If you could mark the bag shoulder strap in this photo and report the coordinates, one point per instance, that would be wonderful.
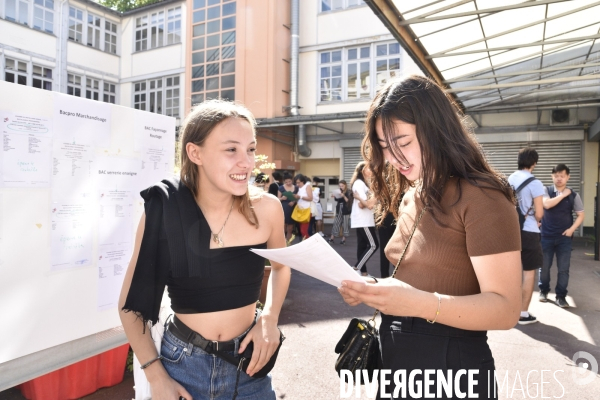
(401, 257)
(525, 183)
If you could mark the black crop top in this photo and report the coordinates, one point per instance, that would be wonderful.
(175, 252)
(236, 278)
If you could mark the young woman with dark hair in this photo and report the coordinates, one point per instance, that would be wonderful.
(362, 218)
(194, 238)
(461, 273)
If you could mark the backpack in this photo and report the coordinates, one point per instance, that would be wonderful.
(519, 211)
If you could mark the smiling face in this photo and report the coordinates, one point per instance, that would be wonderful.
(299, 183)
(226, 159)
(403, 150)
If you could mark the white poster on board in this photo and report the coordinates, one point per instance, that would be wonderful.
(112, 264)
(155, 139)
(116, 179)
(73, 170)
(154, 131)
(26, 150)
(78, 121)
(71, 234)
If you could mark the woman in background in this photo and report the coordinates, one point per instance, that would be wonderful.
(288, 205)
(305, 197)
(342, 213)
(362, 218)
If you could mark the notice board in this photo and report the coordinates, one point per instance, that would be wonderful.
(71, 170)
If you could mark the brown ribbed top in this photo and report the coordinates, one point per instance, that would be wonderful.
(482, 222)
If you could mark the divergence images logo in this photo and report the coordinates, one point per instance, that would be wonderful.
(588, 368)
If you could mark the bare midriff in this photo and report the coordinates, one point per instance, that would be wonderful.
(220, 325)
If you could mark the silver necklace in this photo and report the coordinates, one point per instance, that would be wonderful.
(218, 237)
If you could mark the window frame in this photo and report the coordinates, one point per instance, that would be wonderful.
(373, 84)
(73, 21)
(345, 5)
(46, 19)
(74, 85)
(158, 89)
(18, 4)
(171, 22)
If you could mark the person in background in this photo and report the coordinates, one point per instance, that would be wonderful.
(288, 205)
(460, 275)
(274, 186)
(261, 180)
(342, 213)
(362, 218)
(305, 197)
(557, 233)
(318, 218)
(529, 201)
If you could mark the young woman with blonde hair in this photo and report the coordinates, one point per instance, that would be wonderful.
(194, 238)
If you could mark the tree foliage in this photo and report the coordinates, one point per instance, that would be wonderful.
(126, 5)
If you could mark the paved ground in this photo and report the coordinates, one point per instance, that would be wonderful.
(314, 317)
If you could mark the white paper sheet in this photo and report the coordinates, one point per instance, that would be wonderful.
(112, 264)
(82, 121)
(314, 257)
(73, 170)
(71, 235)
(116, 179)
(26, 151)
(153, 131)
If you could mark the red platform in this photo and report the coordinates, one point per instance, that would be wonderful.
(79, 379)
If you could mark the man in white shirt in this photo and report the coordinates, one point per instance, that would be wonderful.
(530, 203)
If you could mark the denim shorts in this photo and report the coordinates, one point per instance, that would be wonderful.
(206, 376)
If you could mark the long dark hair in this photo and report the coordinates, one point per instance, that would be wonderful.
(358, 174)
(447, 148)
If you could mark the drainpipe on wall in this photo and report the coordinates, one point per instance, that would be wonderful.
(301, 143)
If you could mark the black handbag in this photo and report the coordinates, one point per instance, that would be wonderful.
(358, 347)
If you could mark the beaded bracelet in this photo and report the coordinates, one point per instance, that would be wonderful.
(150, 362)
(439, 296)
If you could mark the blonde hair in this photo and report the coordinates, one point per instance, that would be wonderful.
(196, 128)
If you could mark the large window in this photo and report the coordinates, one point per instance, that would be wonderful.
(355, 73)
(17, 11)
(213, 50)
(75, 24)
(328, 5)
(43, 15)
(159, 95)
(26, 73)
(93, 30)
(150, 29)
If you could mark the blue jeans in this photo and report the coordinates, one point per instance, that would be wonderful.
(209, 377)
(562, 248)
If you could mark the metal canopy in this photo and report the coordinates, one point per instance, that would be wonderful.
(503, 54)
